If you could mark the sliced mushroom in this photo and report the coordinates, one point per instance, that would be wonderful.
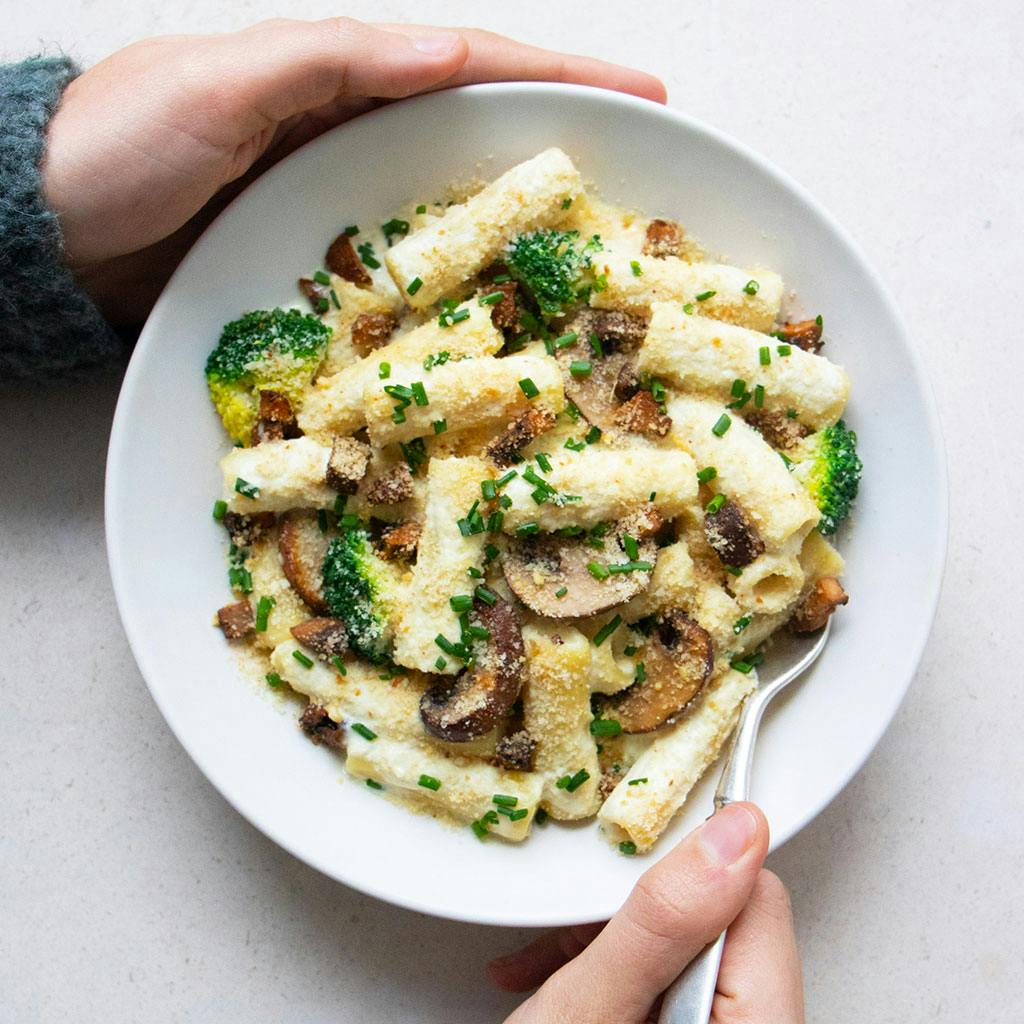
(505, 312)
(391, 488)
(595, 393)
(483, 693)
(551, 575)
(778, 429)
(319, 295)
(244, 530)
(236, 620)
(321, 728)
(678, 660)
(505, 448)
(514, 752)
(642, 415)
(805, 334)
(628, 383)
(825, 597)
(341, 259)
(731, 534)
(664, 238)
(275, 420)
(371, 331)
(347, 464)
(302, 545)
(327, 638)
(400, 541)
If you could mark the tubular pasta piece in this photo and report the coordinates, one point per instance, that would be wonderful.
(288, 474)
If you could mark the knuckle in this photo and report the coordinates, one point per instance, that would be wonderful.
(653, 911)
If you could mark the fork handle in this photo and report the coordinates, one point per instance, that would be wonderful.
(689, 998)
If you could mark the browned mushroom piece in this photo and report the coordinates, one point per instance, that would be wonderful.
(302, 545)
(825, 597)
(505, 312)
(327, 638)
(678, 659)
(341, 259)
(805, 334)
(244, 530)
(595, 394)
(628, 382)
(392, 487)
(664, 238)
(505, 448)
(550, 574)
(347, 464)
(321, 728)
(478, 698)
(319, 295)
(515, 752)
(275, 420)
(642, 415)
(372, 330)
(732, 535)
(778, 429)
(400, 541)
(236, 620)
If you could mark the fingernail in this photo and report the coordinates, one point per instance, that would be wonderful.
(437, 44)
(728, 834)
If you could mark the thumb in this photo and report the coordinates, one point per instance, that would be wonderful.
(676, 908)
(284, 67)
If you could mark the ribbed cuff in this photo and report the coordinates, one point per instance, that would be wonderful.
(48, 325)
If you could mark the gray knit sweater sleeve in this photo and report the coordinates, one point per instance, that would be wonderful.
(48, 325)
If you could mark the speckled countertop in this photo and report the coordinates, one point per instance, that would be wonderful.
(129, 890)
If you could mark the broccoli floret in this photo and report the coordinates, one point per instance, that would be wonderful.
(827, 464)
(551, 264)
(275, 350)
(359, 587)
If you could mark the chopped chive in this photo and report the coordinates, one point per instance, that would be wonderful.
(321, 278)
(263, 608)
(574, 446)
(593, 435)
(527, 529)
(638, 782)
(540, 816)
(741, 666)
(366, 254)
(491, 298)
(352, 229)
(565, 340)
(364, 730)
(529, 388)
(792, 414)
(627, 847)
(489, 489)
(517, 815)
(605, 727)
(475, 572)
(543, 461)
(784, 350)
(219, 508)
(394, 227)
(502, 279)
(506, 479)
(339, 664)
(384, 371)
(321, 519)
(485, 595)
(751, 287)
(429, 782)
(575, 781)
(641, 672)
(479, 633)
(629, 650)
(758, 396)
(688, 308)
(606, 630)
(504, 801)
(440, 663)
(440, 426)
(634, 566)
(634, 265)
(786, 461)
(491, 552)
(704, 296)
(302, 659)
(479, 829)
(274, 681)
(819, 321)
(422, 208)
(374, 784)
(461, 602)
(561, 592)
(245, 488)
(715, 504)
(764, 355)
(739, 387)
(580, 367)
(566, 202)
(349, 522)
(722, 425)
(335, 299)
(652, 495)
(322, 305)
(414, 285)
(419, 393)
(741, 624)
(733, 570)
(453, 650)
(632, 547)
(595, 345)
(706, 474)
(598, 571)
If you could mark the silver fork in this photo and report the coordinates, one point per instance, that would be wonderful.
(688, 1000)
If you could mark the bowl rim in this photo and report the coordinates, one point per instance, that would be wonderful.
(119, 561)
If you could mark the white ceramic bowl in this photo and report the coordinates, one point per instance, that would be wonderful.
(166, 554)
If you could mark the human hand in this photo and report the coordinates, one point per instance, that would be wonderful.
(617, 971)
(151, 143)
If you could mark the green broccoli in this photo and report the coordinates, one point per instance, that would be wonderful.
(275, 350)
(827, 464)
(358, 587)
(551, 264)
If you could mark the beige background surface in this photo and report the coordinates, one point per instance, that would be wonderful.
(129, 890)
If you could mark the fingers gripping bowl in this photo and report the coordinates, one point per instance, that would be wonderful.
(167, 441)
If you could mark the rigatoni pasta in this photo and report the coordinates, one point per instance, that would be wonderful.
(516, 507)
